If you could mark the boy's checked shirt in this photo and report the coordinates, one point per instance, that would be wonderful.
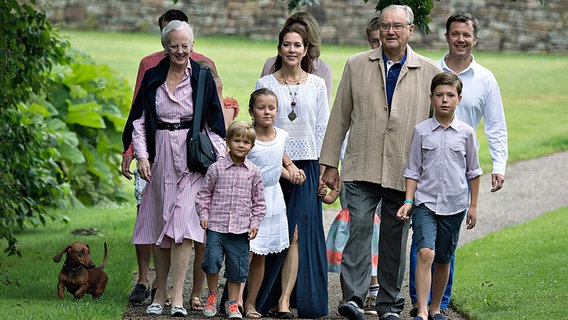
(231, 197)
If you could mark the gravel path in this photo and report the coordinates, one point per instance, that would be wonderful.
(531, 188)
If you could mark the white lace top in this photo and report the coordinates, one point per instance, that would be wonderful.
(312, 113)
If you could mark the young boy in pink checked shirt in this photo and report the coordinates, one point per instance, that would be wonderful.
(230, 206)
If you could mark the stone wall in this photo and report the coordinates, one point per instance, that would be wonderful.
(522, 25)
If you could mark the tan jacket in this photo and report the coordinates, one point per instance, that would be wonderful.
(378, 146)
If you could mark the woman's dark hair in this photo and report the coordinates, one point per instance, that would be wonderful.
(312, 30)
(307, 63)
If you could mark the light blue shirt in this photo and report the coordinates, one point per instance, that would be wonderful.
(442, 160)
(481, 98)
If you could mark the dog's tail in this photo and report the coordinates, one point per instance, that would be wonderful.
(103, 264)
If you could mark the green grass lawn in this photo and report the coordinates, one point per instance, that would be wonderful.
(520, 272)
(28, 289)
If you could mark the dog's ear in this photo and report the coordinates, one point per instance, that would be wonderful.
(57, 256)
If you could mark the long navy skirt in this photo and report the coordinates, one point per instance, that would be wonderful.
(304, 210)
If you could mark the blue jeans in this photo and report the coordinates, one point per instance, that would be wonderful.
(234, 248)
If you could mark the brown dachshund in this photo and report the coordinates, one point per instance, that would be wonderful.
(79, 274)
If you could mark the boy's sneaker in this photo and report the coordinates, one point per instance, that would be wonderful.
(233, 310)
(210, 309)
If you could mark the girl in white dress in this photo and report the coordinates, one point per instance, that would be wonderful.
(268, 155)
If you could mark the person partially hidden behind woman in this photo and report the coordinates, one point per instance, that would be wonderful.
(160, 119)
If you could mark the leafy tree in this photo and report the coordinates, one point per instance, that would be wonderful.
(61, 121)
(30, 180)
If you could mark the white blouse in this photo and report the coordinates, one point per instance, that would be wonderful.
(312, 113)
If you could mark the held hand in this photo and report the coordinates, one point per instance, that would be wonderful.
(330, 177)
(252, 233)
(404, 212)
(471, 218)
(125, 165)
(497, 181)
(144, 168)
(297, 176)
(203, 224)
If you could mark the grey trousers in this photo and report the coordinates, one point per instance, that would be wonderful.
(362, 199)
(393, 238)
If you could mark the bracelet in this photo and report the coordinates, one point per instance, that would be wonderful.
(409, 201)
(286, 165)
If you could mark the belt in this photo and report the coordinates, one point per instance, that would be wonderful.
(174, 126)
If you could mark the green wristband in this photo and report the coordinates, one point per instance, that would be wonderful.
(409, 201)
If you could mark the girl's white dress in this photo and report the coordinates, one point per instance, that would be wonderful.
(272, 234)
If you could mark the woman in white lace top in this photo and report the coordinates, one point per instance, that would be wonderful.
(303, 113)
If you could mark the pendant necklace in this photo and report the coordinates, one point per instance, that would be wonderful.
(293, 95)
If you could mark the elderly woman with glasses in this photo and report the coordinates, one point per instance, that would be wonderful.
(160, 121)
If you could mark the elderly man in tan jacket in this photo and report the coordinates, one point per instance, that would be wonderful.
(382, 95)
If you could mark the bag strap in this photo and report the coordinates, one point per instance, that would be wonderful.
(197, 108)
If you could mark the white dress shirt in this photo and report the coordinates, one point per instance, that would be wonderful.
(481, 98)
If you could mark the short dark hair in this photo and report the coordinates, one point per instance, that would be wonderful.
(462, 17)
(171, 15)
(446, 78)
(373, 24)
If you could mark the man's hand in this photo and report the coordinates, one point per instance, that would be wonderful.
(203, 224)
(144, 169)
(330, 176)
(126, 161)
(497, 181)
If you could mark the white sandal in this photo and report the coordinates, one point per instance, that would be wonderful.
(178, 311)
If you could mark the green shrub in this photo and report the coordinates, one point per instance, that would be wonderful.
(30, 180)
(61, 122)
